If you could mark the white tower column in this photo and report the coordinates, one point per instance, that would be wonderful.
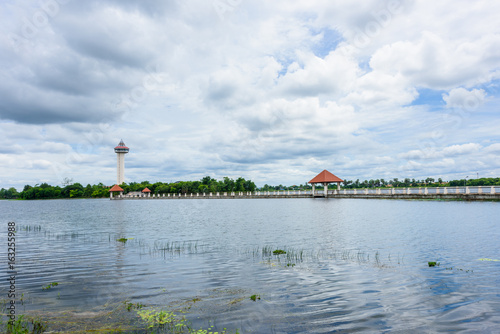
(120, 151)
(120, 168)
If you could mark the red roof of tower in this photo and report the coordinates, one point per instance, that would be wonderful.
(115, 188)
(121, 144)
(146, 190)
(326, 177)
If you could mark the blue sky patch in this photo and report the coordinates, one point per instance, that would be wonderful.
(429, 97)
(328, 43)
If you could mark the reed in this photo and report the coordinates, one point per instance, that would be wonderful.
(291, 256)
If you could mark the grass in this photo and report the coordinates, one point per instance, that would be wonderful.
(29, 228)
(290, 257)
(174, 247)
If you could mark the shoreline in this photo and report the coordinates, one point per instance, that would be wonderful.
(430, 197)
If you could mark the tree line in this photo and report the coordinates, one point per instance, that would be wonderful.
(209, 184)
(77, 190)
(428, 182)
(205, 185)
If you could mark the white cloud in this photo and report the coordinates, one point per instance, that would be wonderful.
(464, 99)
(495, 148)
(263, 87)
(454, 150)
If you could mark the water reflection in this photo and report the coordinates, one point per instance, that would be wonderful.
(351, 265)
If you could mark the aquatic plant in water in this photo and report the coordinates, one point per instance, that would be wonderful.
(24, 325)
(279, 252)
(50, 285)
(209, 331)
(131, 306)
(162, 319)
(255, 297)
(172, 323)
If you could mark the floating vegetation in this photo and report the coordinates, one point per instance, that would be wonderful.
(109, 318)
(278, 252)
(169, 322)
(486, 259)
(236, 301)
(124, 240)
(131, 306)
(433, 263)
(160, 319)
(255, 297)
(210, 331)
(50, 286)
(460, 269)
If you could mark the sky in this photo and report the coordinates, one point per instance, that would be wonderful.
(272, 91)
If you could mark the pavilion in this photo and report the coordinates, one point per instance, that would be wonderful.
(146, 192)
(115, 189)
(325, 177)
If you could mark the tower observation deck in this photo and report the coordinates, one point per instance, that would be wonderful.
(120, 151)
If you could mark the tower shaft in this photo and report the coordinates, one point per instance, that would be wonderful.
(120, 168)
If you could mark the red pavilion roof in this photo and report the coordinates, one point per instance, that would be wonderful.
(146, 190)
(326, 177)
(115, 188)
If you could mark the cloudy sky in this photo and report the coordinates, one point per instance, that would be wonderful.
(274, 91)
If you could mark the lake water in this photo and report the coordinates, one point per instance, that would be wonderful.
(352, 265)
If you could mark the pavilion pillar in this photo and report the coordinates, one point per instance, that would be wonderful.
(314, 189)
(338, 186)
(326, 189)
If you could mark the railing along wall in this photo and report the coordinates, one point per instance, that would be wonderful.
(467, 190)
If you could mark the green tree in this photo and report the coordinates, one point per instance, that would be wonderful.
(75, 193)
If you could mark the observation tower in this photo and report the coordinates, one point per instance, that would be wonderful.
(120, 150)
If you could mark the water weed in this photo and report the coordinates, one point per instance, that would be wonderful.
(255, 297)
(25, 325)
(292, 257)
(131, 306)
(50, 286)
(161, 319)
